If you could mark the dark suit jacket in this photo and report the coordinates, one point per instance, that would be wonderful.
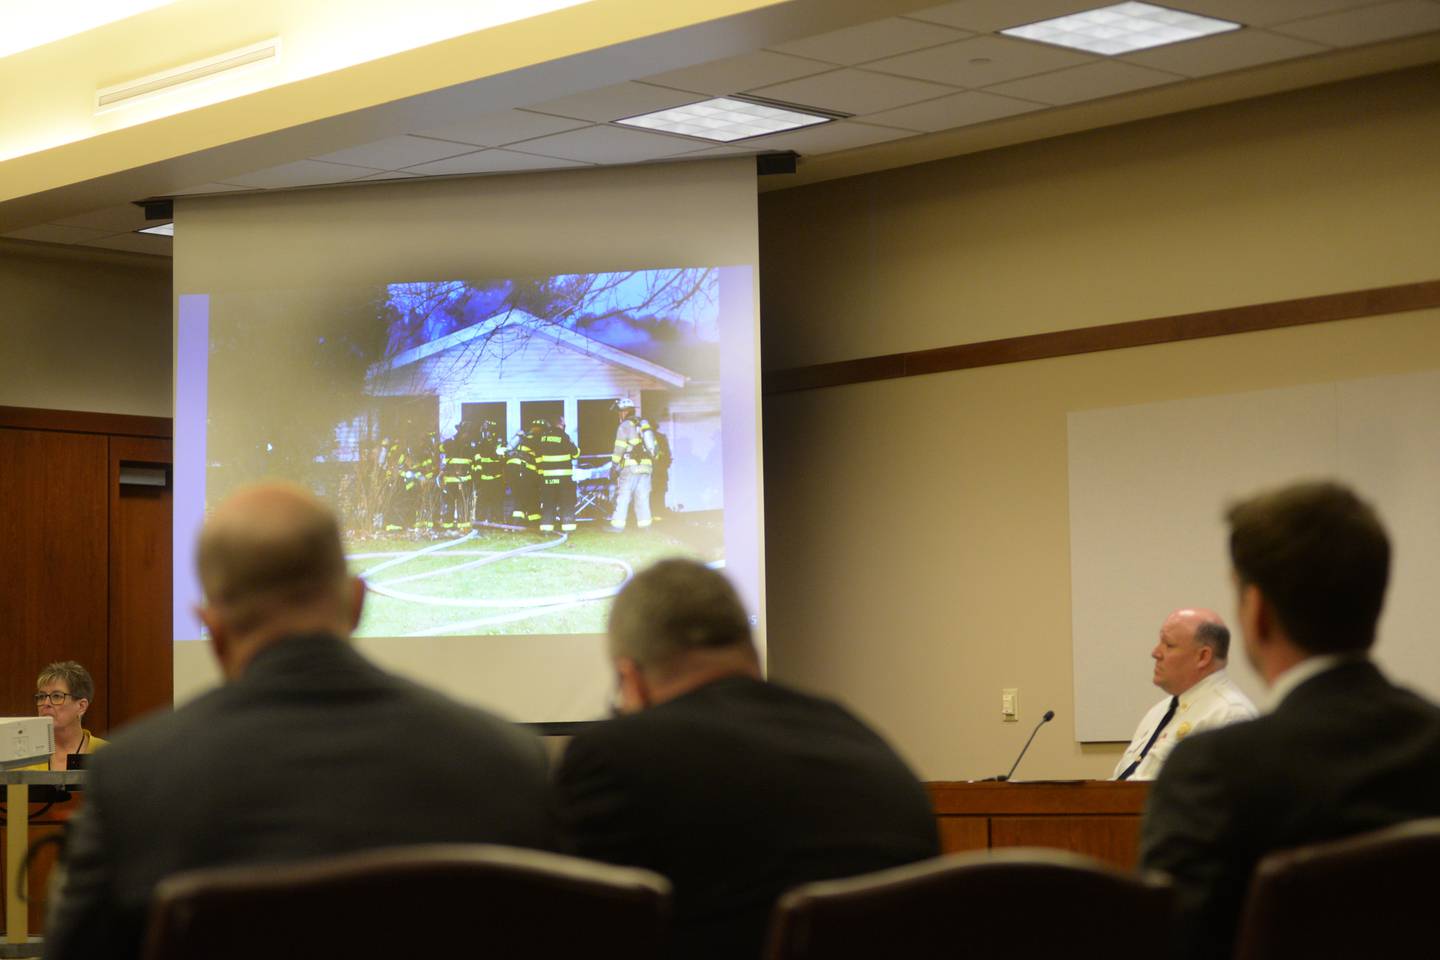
(738, 791)
(1344, 753)
(312, 752)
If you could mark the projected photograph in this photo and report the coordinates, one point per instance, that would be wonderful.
(503, 454)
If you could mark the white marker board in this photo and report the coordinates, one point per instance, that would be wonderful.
(1148, 485)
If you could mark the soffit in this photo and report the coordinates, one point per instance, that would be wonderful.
(920, 83)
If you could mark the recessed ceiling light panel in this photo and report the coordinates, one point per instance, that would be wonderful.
(724, 119)
(1121, 28)
(160, 230)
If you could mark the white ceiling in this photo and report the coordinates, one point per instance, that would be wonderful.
(933, 70)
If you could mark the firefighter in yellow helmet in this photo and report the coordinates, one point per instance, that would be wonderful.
(631, 464)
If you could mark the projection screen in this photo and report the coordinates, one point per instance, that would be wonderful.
(449, 364)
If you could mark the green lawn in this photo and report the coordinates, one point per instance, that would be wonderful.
(589, 560)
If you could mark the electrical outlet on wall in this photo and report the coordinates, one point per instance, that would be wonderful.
(1010, 704)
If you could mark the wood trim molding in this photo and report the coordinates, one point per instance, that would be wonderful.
(1374, 302)
(80, 421)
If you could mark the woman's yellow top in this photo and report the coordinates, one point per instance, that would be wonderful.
(89, 743)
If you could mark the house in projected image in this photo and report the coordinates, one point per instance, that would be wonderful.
(525, 369)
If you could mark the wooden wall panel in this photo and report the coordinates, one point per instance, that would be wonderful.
(1095, 817)
(1112, 839)
(963, 834)
(54, 588)
(141, 665)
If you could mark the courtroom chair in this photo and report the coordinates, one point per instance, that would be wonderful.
(448, 900)
(1345, 898)
(1015, 903)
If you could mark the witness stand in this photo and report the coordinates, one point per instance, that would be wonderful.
(1098, 818)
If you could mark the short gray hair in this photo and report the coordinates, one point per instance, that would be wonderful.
(76, 678)
(674, 607)
(1216, 636)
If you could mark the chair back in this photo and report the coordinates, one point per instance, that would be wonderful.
(1345, 898)
(412, 901)
(1018, 903)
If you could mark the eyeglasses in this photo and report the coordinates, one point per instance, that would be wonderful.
(55, 698)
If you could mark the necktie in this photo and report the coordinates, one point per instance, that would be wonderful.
(1174, 703)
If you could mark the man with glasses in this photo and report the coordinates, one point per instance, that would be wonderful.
(733, 788)
(307, 750)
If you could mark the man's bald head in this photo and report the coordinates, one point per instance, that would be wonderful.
(271, 554)
(1194, 643)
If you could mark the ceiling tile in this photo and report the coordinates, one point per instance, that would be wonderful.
(489, 161)
(756, 69)
(870, 41)
(1090, 82)
(610, 145)
(1263, 12)
(627, 99)
(207, 188)
(828, 138)
(302, 173)
(984, 16)
(1351, 28)
(56, 233)
(117, 219)
(396, 152)
(1235, 50)
(982, 61)
(960, 110)
(853, 91)
(137, 243)
(498, 129)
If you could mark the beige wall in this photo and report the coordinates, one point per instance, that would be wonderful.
(1328, 189)
(917, 529)
(84, 329)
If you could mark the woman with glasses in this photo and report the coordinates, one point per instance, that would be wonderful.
(63, 691)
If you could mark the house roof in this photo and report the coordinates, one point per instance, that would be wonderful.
(537, 328)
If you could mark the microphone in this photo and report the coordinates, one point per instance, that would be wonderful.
(1049, 715)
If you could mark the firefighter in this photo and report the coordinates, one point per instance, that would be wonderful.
(631, 464)
(392, 463)
(407, 489)
(487, 473)
(660, 477)
(427, 468)
(456, 491)
(521, 474)
(555, 455)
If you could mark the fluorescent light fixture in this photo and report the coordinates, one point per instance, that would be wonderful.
(264, 53)
(26, 24)
(161, 230)
(725, 119)
(1122, 28)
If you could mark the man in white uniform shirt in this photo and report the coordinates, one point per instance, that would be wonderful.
(1190, 664)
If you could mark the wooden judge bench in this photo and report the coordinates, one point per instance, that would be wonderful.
(1095, 817)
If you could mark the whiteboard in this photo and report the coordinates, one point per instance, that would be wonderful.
(1149, 484)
